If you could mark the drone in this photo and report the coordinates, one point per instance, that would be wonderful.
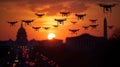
(55, 26)
(39, 15)
(74, 31)
(27, 22)
(36, 28)
(85, 27)
(13, 23)
(46, 28)
(107, 7)
(80, 16)
(110, 27)
(93, 20)
(94, 25)
(60, 21)
(73, 22)
(65, 13)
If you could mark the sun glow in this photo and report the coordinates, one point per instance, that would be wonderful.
(51, 36)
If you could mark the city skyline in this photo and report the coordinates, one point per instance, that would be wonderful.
(59, 33)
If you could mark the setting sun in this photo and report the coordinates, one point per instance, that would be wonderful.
(51, 36)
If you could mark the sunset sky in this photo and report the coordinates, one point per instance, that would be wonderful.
(17, 10)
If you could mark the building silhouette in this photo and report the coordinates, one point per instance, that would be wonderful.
(84, 41)
(21, 41)
(87, 41)
(21, 38)
(105, 28)
(22, 53)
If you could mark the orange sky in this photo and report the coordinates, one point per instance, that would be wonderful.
(17, 10)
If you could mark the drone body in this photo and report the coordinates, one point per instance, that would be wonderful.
(107, 7)
(46, 28)
(27, 22)
(12, 23)
(85, 27)
(65, 13)
(94, 26)
(80, 16)
(39, 14)
(36, 28)
(93, 20)
(60, 21)
(74, 31)
(110, 27)
(55, 26)
(73, 22)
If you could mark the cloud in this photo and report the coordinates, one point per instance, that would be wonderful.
(78, 6)
(44, 2)
(55, 7)
(52, 7)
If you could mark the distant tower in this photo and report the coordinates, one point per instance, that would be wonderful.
(105, 28)
(21, 37)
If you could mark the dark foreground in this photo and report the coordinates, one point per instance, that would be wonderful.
(102, 55)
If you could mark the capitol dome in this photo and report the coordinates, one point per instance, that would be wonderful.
(21, 35)
(21, 32)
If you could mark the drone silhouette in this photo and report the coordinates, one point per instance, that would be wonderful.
(85, 27)
(46, 28)
(60, 21)
(55, 26)
(110, 27)
(107, 7)
(12, 23)
(94, 25)
(39, 15)
(80, 16)
(65, 13)
(36, 28)
(27, 22)
(74, 31)
(73, 22)
(93, 20)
